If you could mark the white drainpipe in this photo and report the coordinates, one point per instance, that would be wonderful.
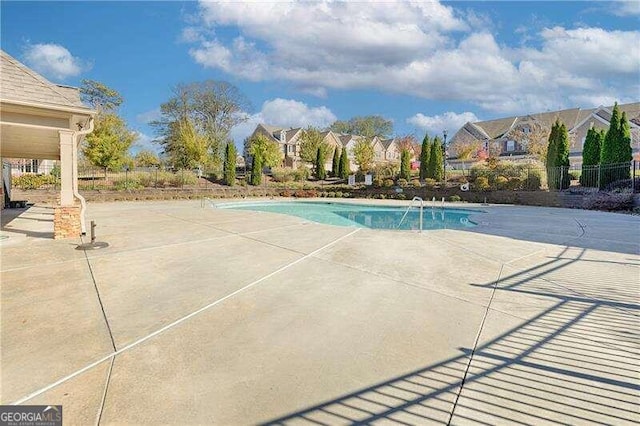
(83, 203)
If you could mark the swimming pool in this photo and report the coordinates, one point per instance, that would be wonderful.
(363, 215)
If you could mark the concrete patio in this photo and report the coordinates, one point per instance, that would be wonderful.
(208, 316)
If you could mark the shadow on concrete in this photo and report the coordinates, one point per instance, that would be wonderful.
(32, 221)
(574, 362)
(613, 232)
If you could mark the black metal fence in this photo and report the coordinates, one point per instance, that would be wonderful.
(500, 176)
(93, 178)
(532, 176)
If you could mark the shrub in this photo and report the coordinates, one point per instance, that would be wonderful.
(621, 184)
(283, 174)
(302, 173)
(455, 198)
(481, 184)
(55, 171)
(400, 196)
(126, 183)
(378, 182)
(388, 183)
(183, 177)
(416, 183)
(33, 181)
(159, 179)
(609, 201)
(402, 182)
(308, 193)
(533, 180)
(430, 183)
(501, 182)
(457, 178)
(331, 194)
(386, 170)
(515, 183)
(338, 194)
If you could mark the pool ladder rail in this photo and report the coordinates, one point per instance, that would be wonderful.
(204, 201)
(413, 200)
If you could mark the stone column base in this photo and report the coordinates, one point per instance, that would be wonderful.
(66, 222)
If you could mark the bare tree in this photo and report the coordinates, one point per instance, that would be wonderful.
(533, 136)
(214, 108)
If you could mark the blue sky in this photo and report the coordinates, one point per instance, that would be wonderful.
(426, 66)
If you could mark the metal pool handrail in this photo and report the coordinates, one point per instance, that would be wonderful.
(408, 208)
(205, 200)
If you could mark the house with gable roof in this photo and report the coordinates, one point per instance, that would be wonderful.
(289, 142)
(497, 136)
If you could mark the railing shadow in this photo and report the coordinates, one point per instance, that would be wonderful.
(32, 221)
(574, 362)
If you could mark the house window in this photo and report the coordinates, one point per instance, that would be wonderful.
(28, 166)
(511, 146)
(526, 130)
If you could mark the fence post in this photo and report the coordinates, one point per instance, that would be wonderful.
(633, 178)
(599, 170)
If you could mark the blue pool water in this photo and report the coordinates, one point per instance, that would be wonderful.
(364, 216)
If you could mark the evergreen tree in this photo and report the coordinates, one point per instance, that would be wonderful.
(591, 157)
(552, 155)
(405, 165)
(321, 172)
(608, 152)
(552, 149)
(562, 157)
(425, 153)
(625, 151)
(616, 149)
(256, 169)
(230, 155)
(335, 164)
(557, 161)
(436, 161)
(344, 164)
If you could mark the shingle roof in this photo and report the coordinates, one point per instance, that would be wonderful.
(570, 117)
(496, 128)
(345, 139)
(386, 143)
(291, 133)
(20, 83)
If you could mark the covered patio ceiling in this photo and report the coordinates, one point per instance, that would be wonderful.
(32, 130)
(43, 120)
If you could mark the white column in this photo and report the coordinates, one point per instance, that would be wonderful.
(66, 167)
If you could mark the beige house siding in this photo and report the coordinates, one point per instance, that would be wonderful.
(379, 151)
(497, 134)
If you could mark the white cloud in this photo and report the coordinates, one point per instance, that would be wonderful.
(283, 113)
(148, 116)
(425, 49)
(435, 124)
(144, 141)
(53, 60)
(625, 8)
